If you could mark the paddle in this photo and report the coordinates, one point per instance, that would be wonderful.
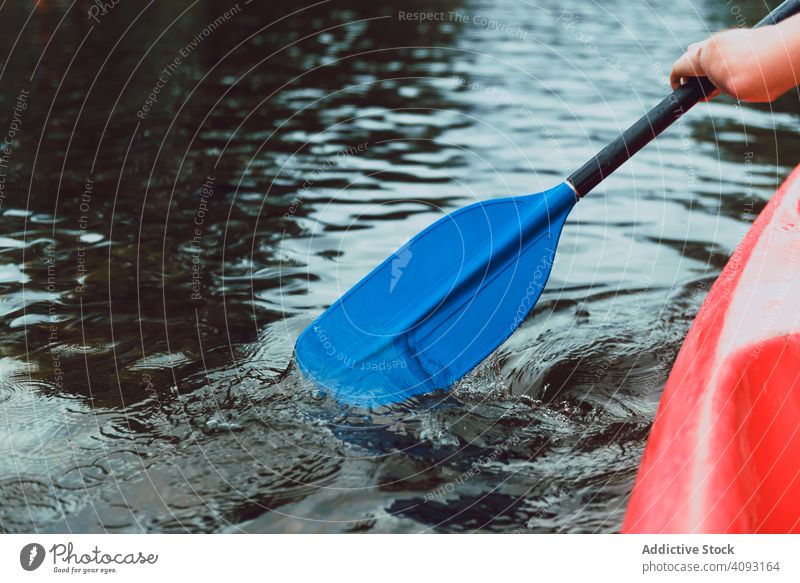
(444, 301)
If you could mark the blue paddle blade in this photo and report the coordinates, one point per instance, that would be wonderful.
(440, 304)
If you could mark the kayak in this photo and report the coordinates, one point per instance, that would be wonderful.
(724, 452)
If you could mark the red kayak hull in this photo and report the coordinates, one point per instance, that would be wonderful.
(724, 452)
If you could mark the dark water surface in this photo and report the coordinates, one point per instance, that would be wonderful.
(158, 258)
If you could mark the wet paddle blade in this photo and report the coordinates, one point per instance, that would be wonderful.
(440, 304)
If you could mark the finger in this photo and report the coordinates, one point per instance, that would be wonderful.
(711, 95)
(688, 65)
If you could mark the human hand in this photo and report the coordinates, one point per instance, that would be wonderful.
(751, 65)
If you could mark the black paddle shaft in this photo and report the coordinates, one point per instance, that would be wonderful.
(656, 120)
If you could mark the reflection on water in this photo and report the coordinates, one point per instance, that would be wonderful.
(189, 184)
